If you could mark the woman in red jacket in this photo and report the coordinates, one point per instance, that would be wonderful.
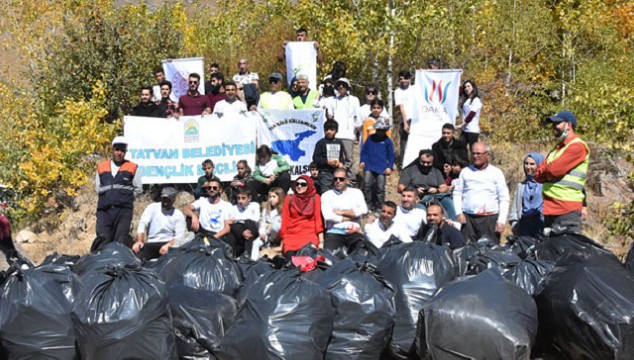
(301, 218)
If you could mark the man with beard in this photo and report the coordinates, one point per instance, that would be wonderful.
(217, 90)
(193, 103)
(447, 148)
(213, 69)
(146, 107)
(231, 104)
(429, 182)
(407, 214)
(166, 108)
(117, 183)
(379, 231)
(564, 174)
(444, 234)
(481, 197)
(307, 98)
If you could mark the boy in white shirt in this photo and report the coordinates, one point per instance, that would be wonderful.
(245, 225)
(379, 231)
(407, 214)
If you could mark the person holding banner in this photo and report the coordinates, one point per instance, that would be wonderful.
(301, 35)
(275, 98)
(404, 99)
(271, 170)
(471, 108)
(193, 103)
(166, 108)
(216, 91)
(231, 104)
(146, 107)
(307, 98)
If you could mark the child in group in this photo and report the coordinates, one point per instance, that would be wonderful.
(329, 155)
(245, 225)
(242, 179)
(377, 161)
(376, 109)
(270, 222)
(313, 171)
(208, 167)
(271, 170)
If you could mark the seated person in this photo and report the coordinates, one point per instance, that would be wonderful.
(243, 178)
(271, 170)
(302, 222)
(342, 208)
(410, 216)
(270, 222)
(313, 171)
(379, 231)
(245, 225)
(208, 168)
(445, 234)
(211, 216)
(428, 180)
(166, 227)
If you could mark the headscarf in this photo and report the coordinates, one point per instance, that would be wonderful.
(532, 200)
(304, 203)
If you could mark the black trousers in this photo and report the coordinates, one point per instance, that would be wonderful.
(113, 224)
(568, 222)
(283, 181)
(478, 227)
(333, 242)
(151, 250)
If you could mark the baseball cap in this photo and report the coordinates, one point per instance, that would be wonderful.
(276, 76)
(563, 115)
(168, 192)
(120, 140)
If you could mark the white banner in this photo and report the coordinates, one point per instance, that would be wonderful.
(293, 134)
(301, 57)
(436, 104)
(177, 72)
(172, 151)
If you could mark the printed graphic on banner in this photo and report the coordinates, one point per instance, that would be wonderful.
(301, 57)
(172, 151)
(293, 134)
(177, 72)
(436, 104)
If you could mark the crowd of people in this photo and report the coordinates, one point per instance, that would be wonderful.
(451, 191)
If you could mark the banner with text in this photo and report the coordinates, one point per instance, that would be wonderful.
(172, 151)
(293, 134)
(437, 98)
(301, 57)
(177, 72)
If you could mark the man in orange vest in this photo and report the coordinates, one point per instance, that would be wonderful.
(564, 174)
(117, 184)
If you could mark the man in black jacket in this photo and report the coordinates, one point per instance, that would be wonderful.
(443, 233)
(448, 148)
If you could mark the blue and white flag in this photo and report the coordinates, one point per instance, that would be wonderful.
(177, 72)
(293, 134)
(437, 95)
(301, 57)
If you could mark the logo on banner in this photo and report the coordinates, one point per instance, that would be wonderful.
(291, 147)
(192, 131)
(180, 86)
(435, 92)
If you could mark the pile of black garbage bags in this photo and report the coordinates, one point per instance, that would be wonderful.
(560, 297)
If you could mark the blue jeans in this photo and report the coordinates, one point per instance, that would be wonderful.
(373, 188)
(446, 200)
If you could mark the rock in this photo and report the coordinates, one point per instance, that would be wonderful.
(25, 236)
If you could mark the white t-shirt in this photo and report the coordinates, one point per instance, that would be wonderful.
(268, 169)
(212, 217)
(223, 107)
(407, 98)
(274, 218)
(378, 235)
(251, 212)
(163, 225)
(349, 199)
(411, 220)
(345, 111)
(472, 105)
(482, 192)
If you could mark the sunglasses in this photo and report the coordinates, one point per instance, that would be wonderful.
(301, 184)
(339, 178)
(211, 187)
(371, 92)
(193, 82)
(273, 81)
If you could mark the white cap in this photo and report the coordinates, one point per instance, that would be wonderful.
(120, 140)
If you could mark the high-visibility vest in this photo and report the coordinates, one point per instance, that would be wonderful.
(310, 100)
(118, 190)
(570, 186)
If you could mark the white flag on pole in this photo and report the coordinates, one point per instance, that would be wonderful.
(301, 57)
(177, 72)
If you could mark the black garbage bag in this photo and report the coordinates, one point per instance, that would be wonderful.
(285, 316)
(200, 319)
(113, 253)
(586, 308)
(570, 244)
(416, 271)
(629, 260)
(492, 258)
(311, 250)
(158, 265)
(521, 246)
(122, 312)
(251, 272)
(529, 274)
(478, 317)
(364, 310)
(461, 256)
(35, 313)
(61, 259)
(206, 269)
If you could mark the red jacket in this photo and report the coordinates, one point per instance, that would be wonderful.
(298, 230)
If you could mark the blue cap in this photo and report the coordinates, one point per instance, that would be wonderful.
(563, 115)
